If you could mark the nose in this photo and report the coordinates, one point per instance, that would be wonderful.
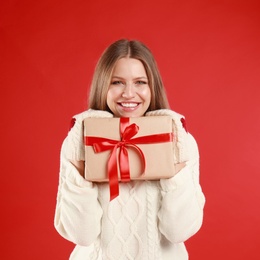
(129, 91)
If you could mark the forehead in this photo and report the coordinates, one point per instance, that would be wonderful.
(129, 66)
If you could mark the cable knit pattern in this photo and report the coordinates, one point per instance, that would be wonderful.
(149, 220)
(153, 240)
(122, 216)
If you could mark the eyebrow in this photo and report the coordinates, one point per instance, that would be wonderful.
(142, 77)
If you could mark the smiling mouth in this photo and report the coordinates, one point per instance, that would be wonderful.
(129, 105)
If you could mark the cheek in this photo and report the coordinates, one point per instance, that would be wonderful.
(109, 96)
(112, 95)
(146, 94)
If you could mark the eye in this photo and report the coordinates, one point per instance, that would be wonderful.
(116, 82)
(140, 82)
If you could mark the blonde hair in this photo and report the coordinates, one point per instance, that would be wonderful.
(104, 69)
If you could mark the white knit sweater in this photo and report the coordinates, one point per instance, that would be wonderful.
(149, 220)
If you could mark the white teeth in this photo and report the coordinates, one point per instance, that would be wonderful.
(129, 104)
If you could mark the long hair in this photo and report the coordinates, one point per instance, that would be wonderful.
(104, 69)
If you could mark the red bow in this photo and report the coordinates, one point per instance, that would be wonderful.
(127, 131)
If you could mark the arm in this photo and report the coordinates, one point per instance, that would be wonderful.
(78, 212)
(181, 212)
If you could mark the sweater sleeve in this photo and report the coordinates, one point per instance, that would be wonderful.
(78, 212)
(181, 212)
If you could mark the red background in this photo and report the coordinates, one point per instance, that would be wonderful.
(208, 54)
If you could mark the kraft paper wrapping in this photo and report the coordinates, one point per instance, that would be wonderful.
(159, 157)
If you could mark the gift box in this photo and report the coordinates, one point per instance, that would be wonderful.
(124, 149)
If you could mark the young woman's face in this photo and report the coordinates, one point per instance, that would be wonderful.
(129, 94)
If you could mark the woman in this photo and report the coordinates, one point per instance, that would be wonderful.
(149, 219)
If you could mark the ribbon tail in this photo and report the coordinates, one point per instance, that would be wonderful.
(113, 175)
(124, 165)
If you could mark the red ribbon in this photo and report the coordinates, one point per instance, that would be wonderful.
(127, 131)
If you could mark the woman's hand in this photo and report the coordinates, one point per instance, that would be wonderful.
(179, 166)
(80, 166)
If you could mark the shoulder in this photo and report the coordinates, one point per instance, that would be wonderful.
(162, 112)
(92, 113)
(178, 119)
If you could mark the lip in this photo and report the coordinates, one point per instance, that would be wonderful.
(128, 106)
